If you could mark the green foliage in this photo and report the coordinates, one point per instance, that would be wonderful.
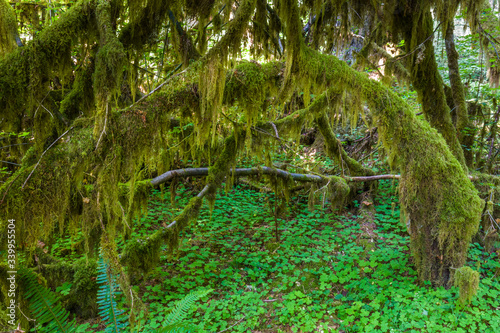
(113, 317)
(331, 272)
(44, 306)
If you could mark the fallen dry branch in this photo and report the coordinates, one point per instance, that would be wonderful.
(300, 177)
(200, 172)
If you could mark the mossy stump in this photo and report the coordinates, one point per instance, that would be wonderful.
(467, 282)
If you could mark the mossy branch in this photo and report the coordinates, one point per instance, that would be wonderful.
(337, 152)
(142, 255)
(457, 87)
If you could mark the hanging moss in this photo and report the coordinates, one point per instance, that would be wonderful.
(467, 282)
(134, 195)
(248, 85)
(370, 56)
(109, 65)
(142, 255)
(47, 192)
(145, 21)
(8, 28)
(487, 26)
(227, 159)
(73, 177)
(441, 204)
(211, 83)
(80, 98)
(25, 73)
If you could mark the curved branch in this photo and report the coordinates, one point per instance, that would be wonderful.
(257, 171)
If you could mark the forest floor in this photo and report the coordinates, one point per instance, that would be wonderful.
(327, 273)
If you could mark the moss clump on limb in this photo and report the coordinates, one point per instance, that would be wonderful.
(467, 282)
(8, 28)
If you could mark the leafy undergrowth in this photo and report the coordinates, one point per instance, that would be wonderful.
(327, 273)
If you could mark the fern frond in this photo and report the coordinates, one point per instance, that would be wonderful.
(108, 290)
(44, 305)
(173, 322)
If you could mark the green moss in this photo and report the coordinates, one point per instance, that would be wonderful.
(467, 282)
(8, 28)
(457, 87)
(109, 65)
(80, 98)
(338, 191)
(82, 274)
(146, 18)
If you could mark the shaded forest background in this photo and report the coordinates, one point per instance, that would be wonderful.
(137, 137)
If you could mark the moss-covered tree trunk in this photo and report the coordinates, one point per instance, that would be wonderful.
(464, 130)
(8, 28)
(426, 78)
(457, 87)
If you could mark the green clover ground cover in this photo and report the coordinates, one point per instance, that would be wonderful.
(327, 274)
